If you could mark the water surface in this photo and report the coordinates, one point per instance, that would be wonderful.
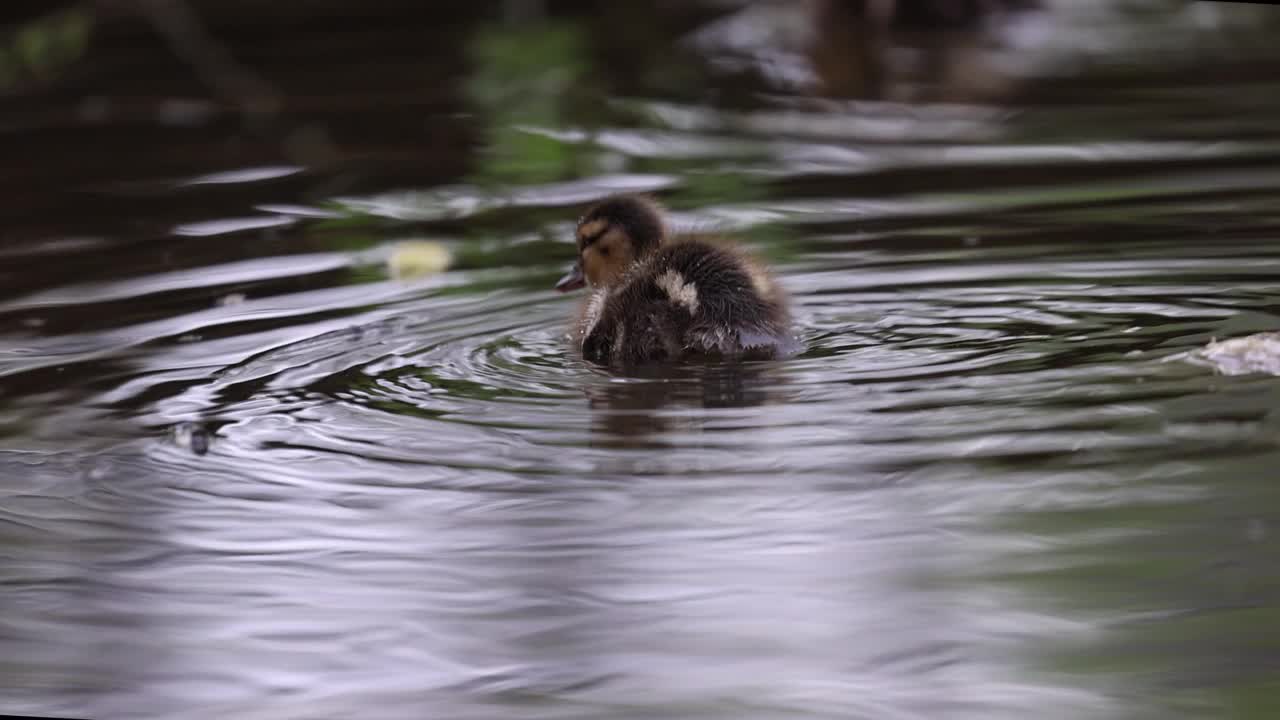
(253, 467)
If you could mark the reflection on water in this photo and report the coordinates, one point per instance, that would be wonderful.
(257, 466)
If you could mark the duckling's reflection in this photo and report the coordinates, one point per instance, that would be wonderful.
(639, 407)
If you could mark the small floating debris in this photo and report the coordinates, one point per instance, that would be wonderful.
(418, 258)
(193, 436)
(1258, 353)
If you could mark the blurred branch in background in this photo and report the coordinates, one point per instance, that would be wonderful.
(188, 39)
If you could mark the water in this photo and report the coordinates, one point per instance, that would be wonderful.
(255, 465)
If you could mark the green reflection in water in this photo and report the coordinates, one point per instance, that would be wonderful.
(528, 74)
(40, 48)
(1179, 591)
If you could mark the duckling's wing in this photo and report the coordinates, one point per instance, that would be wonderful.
(729, 312)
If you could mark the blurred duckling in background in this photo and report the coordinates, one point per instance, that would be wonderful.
(655, 298)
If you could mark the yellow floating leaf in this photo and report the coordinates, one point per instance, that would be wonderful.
(418, 258)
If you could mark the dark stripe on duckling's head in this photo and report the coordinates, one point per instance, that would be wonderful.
(639, 217)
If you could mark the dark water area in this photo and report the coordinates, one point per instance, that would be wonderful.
(290, 426)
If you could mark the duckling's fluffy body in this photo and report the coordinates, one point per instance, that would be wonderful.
(656, 299)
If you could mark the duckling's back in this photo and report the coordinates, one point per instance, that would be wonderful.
(690, 298)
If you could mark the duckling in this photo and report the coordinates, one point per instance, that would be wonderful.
(657, 298)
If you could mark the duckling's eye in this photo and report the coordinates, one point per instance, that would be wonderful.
(603, 250)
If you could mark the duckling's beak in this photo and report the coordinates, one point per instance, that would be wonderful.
(572, 279)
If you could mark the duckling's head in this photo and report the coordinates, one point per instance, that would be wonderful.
(612, 236)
